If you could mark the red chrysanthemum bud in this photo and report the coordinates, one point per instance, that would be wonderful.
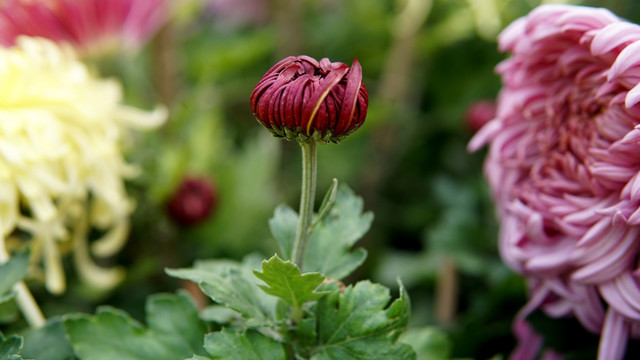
(193, 201)
(480, 113)
(300, 98)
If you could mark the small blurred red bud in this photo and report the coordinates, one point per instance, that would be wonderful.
(193, 201)
(480, 113)
(301, 98)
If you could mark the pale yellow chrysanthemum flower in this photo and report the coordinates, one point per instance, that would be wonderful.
(62, 168)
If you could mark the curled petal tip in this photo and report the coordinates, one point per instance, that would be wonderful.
(484, 135)
(633, 97)
(628, 58)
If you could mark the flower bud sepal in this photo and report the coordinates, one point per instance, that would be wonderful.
(325, 137)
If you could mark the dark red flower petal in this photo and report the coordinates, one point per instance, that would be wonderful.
(299, 98)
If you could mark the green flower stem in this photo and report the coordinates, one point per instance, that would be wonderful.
(28, 306)
(307, 198)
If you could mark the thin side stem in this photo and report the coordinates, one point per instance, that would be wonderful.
(307, 198)
(28, 306)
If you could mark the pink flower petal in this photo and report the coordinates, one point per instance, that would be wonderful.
(484, 135)
(628, 58)
(511, 35)
(584, 18)
(613, 341)
(595, 232)
(529, 342)
(587, 253)
(634, 218)
(610, 293)
(633, 96)
(559, 308)
(589, 310)
(552, 260)
(610, 264)
(629, 290)
(614, 35)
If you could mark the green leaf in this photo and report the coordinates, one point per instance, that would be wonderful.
(174, 332)
(8, 308)
(340, 227)
(10, 347)
(13, 271)
(306, 332)
(48, 342)
(232, 345)
(284, 280)
(283, 227)
(198, 357)
(231, 284)
(329, 247)
(219, 314)
(429, 343)
(355, 324)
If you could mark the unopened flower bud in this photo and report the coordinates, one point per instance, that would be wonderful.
(193, 201)
(300, 98)
(480, 113)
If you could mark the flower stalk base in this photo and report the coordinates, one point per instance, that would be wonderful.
(307, 198)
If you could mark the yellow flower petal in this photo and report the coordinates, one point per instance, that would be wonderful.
(61, 135)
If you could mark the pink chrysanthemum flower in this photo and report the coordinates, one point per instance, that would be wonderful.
(93, 27)
(564, 166)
